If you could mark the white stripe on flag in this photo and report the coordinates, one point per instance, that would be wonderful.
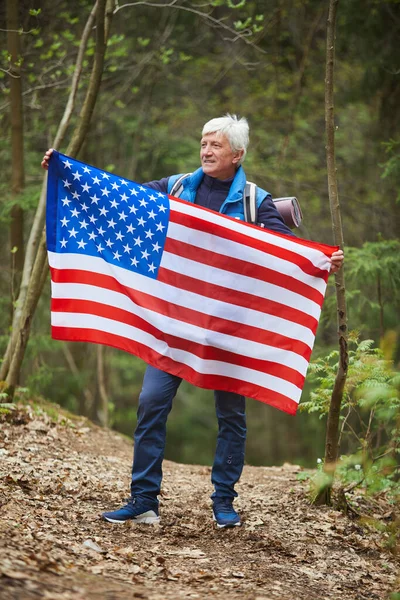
(200, 365)
(316, 257)
(240, 283)
(206, 241)
(182, 329)
(210, 306)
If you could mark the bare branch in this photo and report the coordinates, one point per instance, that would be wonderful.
(76, 77)
(94, 82)
(8, 72)
(205, 16)
(46, 71)
(20, 31)
(44, 86)
(353, 486)
(343, 426)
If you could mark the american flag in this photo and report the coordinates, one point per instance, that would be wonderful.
(223, 304)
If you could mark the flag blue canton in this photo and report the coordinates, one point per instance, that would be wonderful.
(100, 214)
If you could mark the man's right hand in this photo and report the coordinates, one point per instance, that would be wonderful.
(46, 158)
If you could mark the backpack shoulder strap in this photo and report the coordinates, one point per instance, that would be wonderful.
(177, 187)
(288, 208)
(249, 203)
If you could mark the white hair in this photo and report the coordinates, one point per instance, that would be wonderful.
(236, 131)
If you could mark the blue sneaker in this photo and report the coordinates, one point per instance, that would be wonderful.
(224, 513)
(137, 509)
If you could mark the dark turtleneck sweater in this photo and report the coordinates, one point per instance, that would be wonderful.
(212, 193)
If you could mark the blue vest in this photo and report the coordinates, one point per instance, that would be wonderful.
(233, 204)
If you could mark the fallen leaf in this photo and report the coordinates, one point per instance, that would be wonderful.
(187, 553)
(93, 546)
(13, 574)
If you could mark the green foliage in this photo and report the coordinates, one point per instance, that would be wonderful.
(376, 264)
(27, 199)
(238, 4)
(370, 416)
(372, 288)
(250, 25)
(166, 72)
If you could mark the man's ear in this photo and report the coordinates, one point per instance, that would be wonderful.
(237, 156)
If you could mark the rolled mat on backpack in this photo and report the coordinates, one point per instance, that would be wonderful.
(290, 211)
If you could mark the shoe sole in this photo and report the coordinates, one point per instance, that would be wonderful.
(228, 525)
(146, 518)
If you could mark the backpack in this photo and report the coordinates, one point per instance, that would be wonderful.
(288, 207)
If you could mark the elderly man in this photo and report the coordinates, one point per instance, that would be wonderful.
(218, 185)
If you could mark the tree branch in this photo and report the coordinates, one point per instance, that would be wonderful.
(205, 16)
(75, 78)
(94, 83)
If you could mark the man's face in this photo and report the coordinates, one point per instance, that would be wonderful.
(217, 158)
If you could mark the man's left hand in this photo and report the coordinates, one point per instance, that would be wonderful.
(337, 260)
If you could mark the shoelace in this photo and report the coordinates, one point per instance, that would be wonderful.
(132, 501)
(224, 506)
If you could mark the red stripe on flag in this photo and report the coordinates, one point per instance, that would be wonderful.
(205, 352)
(210, 227)
(186, 315)
(237, 298)
(242, 267)
(213, 382)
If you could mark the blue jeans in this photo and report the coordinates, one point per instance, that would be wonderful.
(155, 402)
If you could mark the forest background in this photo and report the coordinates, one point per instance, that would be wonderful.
(169, 67)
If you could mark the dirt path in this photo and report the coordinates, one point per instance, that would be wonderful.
(55, 480)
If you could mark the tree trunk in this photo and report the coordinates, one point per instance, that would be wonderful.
(40, 268)
(332, 427)
(17, 149)
(102, 399)
(86, 405)
(38, 222)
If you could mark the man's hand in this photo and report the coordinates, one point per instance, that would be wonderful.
(46, 158)
(336, 260)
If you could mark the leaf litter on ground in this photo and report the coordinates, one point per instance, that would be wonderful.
(57, 477)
